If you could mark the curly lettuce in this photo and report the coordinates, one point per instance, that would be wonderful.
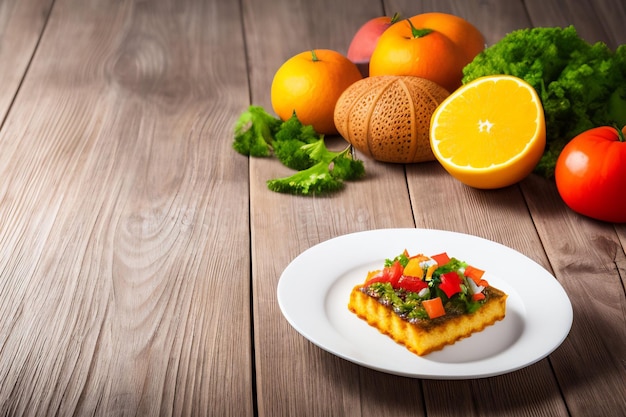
(580, 84)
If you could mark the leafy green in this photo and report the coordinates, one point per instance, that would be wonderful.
(299, 147)
(288, 142)
(402, 258)
(290, 153)
(452, 265)
(387, 293)
(254, 132)
(573, 78)
(328, 174)
(311, 181)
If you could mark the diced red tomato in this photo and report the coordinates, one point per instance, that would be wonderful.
(450, 283)
(413, 284)
(441, 258)
(393, 273)
(434, 307)
(378, 278)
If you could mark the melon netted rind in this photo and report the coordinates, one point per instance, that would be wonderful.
(388, 117)
(353, 110)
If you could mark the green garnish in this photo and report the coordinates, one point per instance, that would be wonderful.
(299, 147)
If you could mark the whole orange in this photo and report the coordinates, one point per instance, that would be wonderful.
(406, 49)
(460, 31)
(310, 84)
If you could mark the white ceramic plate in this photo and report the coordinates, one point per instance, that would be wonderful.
(314, 289)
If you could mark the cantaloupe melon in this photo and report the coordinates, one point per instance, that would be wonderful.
(387, 117)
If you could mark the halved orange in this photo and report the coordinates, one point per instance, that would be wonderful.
(489, 133)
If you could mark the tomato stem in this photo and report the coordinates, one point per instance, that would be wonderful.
(314, 55)
(418, 33)
(395, 18)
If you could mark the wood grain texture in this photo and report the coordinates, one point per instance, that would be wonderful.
(118, 224)
(501, 215)
(140, 255)
(583, 252)
(21, 26)
(591, 360)
(283, 226)
(595, 21)
(493, 17)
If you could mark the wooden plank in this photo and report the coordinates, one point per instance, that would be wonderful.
(494, 18)
(21, 26)
(584, 252)
(124, 247)
(588, 260)
(292, 374)
(594, 20)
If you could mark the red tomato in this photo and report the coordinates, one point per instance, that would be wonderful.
(393, 273)
(413, 284)
(450, 283)
(376, 279)
(590, 174)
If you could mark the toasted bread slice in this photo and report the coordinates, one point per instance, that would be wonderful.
(425, 336)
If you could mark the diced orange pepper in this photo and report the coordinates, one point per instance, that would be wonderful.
(434, 307)
(414, 269)
(474, 273)
(478, 296)
(429, 271)
(441, 258)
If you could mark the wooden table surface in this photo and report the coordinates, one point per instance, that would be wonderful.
(140, 255)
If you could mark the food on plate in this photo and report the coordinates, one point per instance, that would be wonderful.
(427, 302)
(590, 174)
(387, 117)
(490, 133)
(299, 147)
(365, 39)
(309, 84)
(581, 85)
